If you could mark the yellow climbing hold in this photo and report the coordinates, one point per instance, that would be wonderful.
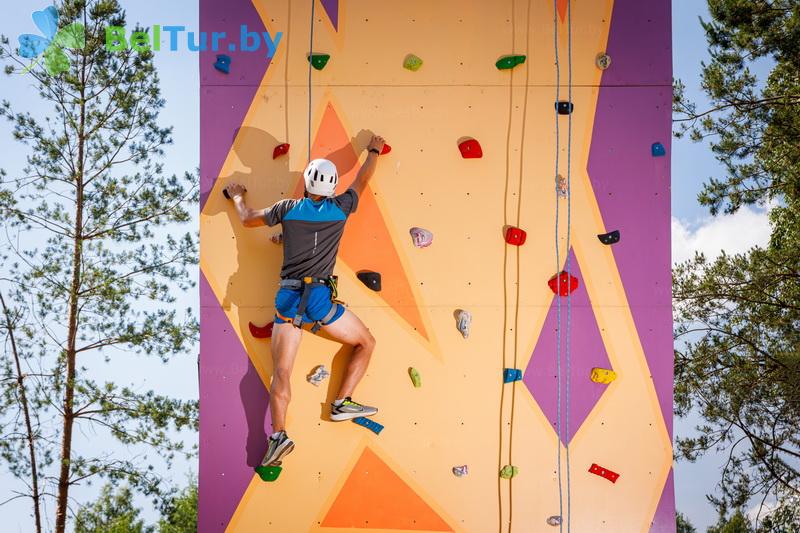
(415, 377)
(412, 62)
(603, 375)
(509, 471)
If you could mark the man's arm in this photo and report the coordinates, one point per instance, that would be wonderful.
(251, 218)
(368, 168)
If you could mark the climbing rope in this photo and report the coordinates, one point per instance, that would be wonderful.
(569, 236)
(558, 269)
(563, 433)
(310, 56)
(518, 223)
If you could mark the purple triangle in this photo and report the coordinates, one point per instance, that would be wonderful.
(226, 98)
(332, 9)
(234, 416)
(632, 187)
(586, 352)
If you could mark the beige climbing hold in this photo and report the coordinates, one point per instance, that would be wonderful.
(603, 61)
(603, 375)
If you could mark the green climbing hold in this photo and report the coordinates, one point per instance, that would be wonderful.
(268, 473)
(415, 377)
(412, 62)
(318, 61)
(509, 471)
(507, 62)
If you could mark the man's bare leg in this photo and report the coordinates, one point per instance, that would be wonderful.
(285, 343)
(349, 329)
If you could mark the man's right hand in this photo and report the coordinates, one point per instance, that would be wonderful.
(376, 143)
(234, 190)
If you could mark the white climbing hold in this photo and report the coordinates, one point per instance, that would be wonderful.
(460, 471)
(561, 186)
(554, 520)
(421, 237)
(464, 320)
(317, 375)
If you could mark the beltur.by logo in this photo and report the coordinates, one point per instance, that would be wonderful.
(52, 43)
(117, 39)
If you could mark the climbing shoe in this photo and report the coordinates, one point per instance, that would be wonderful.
(348, 409)
(277, 448)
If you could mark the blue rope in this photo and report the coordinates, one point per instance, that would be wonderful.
(558, 278)
(569, 235)
(310, 55)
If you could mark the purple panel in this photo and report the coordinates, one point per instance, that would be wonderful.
(234, 416)
(664, 520)
(586, 352)
(332, 9)
(223, 111)
(640, 44)
(632, 187)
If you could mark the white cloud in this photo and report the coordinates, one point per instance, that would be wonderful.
(734, 233)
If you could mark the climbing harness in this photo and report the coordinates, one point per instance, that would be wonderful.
(306, 284)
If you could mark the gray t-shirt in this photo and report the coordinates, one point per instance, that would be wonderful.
(311, 232)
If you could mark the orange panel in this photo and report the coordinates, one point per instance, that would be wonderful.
(562, 9)
(375, 497)
(366, 243)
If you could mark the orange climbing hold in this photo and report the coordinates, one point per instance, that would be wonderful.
(470, 149)
(563, 284)
(375, 497)
(280, 150)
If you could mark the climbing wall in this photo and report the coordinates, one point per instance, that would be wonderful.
(342, 476)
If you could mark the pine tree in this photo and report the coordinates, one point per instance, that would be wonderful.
(91, 265)
(738, 316)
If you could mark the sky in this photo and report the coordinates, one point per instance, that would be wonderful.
(693, 229)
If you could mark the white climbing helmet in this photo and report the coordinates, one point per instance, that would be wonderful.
(321, 177)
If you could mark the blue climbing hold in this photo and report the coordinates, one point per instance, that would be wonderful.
(369, 424)
(223, 63)
(511, 374)
(658, 150)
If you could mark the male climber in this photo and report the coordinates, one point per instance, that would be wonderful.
(312, 229)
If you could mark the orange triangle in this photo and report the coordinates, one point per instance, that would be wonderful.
(367, 243)
(374, 497)
(562, 9)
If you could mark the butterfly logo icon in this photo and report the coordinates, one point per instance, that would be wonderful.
(51, 46)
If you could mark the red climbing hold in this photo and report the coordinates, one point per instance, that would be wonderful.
(264, 332)
(470, 149)
(386, 149)
(604, 472)
(563, 284)
(280, 150)
(515, 236)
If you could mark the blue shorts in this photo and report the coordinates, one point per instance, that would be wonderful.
(318, 306)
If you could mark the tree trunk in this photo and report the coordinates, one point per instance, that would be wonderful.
(72, 323)
(23, 398)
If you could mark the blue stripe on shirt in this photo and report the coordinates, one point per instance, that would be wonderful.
(309, 211)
